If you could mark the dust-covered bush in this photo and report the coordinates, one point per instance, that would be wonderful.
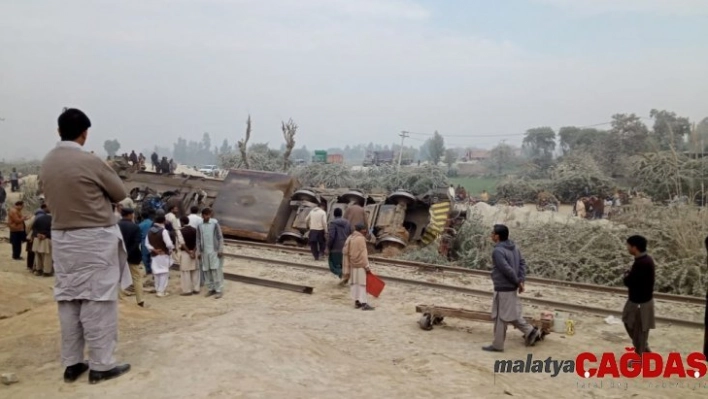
(577, 173)
(382, 178)
(666, 174)
(325, 175)
(596, 253)
(260, 157)
(520, 188)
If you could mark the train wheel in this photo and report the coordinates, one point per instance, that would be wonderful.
(354, 196)
(305, 195)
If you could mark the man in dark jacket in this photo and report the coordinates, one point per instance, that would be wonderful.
(339, 229)
(638, 313)
(132, 239)
(508, 275)
(705, 322)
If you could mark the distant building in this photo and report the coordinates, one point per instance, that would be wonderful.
(476, 156)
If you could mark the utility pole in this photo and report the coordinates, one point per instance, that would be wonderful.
(404, 135)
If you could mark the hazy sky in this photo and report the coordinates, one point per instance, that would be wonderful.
(347, 71)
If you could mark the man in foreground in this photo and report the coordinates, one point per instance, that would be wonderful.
(210, 252)
(89, 257)
(131, 238)
(356, 264)
(638, 313)
(508, 275)
(317, 223)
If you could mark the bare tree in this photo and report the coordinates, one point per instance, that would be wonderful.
(289, 130)
(243, 144)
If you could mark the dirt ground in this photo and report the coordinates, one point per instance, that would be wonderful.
(260, 342)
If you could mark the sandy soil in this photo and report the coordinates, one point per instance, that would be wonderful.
(264, 343)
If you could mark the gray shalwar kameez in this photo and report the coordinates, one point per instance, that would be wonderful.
(90, 268)
(210, 243)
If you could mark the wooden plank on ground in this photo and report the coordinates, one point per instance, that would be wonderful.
(458, 313)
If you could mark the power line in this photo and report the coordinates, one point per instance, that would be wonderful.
(403, 135)
(508, 134)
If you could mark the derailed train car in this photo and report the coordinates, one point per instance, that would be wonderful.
(394, 220)
(272, 207)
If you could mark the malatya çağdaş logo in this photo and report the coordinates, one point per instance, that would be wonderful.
(628, 365)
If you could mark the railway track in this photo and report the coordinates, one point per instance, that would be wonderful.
(461, 270)
(562, 306)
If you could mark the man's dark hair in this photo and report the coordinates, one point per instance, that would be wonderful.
(43, 206)
(146, 215)
(194, 209)
(360, 227)
(638, 242)
(206, 211)
(502, 231)
(160, 219)
(126, 212)
(19, 203)
(338, 212)
(72, 122)
(184, 220)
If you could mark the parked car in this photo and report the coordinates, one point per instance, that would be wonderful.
(210, 170)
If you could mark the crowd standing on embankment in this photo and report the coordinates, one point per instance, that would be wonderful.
(94, 256)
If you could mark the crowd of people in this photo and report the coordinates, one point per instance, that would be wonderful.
(94, 257)
(159, 165)
(344, 241)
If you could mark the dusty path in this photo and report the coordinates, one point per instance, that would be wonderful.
(265, 343)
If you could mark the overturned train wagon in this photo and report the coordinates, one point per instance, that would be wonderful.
(394, 220)
(271, 207)
(254, 205)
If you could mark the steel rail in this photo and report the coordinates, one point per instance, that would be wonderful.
(268, 283)
(474, 292)
(461, 270)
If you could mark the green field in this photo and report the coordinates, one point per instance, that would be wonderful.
(475, 185)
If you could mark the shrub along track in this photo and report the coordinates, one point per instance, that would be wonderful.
(563, 305)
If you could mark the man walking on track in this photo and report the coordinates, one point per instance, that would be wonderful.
(339, 230)
(210, 252)
(317, 222)
(356, 265)
(508, 275)
(89, 256)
